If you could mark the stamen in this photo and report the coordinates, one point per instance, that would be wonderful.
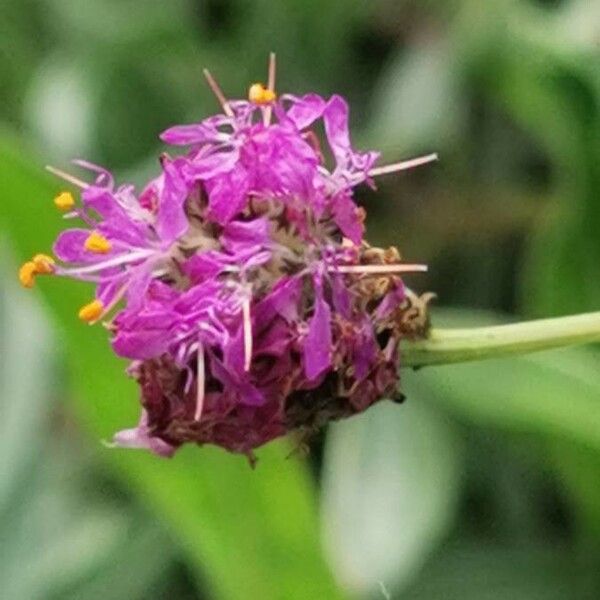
(368, 269)
(70, 178)
(258, 94)
(116, 299)
(216, 90)
(44, 264)
(40, 264)
(64, 201)
(27, 274)
(272, 72)
(255, 92)
(247, 334)
(97, 243)
(200, 383)
(90, 312)
(270, 88)
(107, 264)
(404, 165)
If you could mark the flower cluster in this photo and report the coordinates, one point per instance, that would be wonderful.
(238, 281)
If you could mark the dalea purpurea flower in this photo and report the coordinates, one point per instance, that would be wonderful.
(238, 281)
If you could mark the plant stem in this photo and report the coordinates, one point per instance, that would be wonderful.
(445, 346)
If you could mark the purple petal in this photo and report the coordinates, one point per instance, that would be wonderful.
(172, 221)
(280, 162)
(246, 392)
(204, 266)
(347, 217)
(282, 300)
(335, 118)
(184, 135)
(239, 235)
(117, 223)
(233, 355)
(139, 281)
(141, 437)
(161, 293)
(70, 247)
(340, 296)
(391, 301)
(141, 344)
(275, 341)
(205, 167)
(254, 259)
(200, 294)
(144, 335)
(104, 176)
(318, 343)
(365, 351)
(107, 291)
(250, 395)
(227, 194)
(305, 110)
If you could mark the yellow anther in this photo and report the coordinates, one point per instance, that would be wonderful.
(268, 96)
(64, 201)
(43, 263)
(27, 274)
(90, 312)
(259, 94)
(255, 93)
(97, 243)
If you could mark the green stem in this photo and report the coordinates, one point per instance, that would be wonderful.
(444, 346)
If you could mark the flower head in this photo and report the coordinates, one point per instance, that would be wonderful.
(238, 281)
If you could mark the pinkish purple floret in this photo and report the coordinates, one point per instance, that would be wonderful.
(226, 273)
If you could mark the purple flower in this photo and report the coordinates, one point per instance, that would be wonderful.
(238, 281)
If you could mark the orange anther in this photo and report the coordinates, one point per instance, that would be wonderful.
(97, 243)
(44, 264)
(27, 274)
(258, 94)
(64, 201)
(90, 312)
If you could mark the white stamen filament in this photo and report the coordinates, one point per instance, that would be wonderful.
(79, 213)
(247, 334)
(107, 264)
(112, 303)
(270, 86)
(67, 177)
(403, 166)
(200, 382)
(404, 268)
(216, 90)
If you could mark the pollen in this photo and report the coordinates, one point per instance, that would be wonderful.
(27, 274)
(97, 243)
(91, 311)
(64, 201)
(259, 94)
(44, 264)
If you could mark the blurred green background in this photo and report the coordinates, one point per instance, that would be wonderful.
(486, 483)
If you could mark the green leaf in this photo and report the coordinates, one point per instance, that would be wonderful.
(24, 401)
(55, 538)
(247, 532)
(495, 571)
(390, 493)
(579, 470)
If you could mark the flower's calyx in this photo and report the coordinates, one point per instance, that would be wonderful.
(238, 280)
